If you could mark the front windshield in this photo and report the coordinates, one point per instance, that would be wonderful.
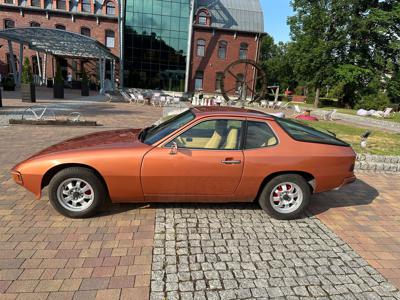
(159, 132)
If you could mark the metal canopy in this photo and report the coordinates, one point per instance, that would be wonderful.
(58, 42)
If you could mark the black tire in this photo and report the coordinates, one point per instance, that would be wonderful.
(264, 198)
(88, 175)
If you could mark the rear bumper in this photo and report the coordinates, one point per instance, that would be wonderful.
(347, 181)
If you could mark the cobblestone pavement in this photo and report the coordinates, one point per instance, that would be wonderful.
(231, 252)
(366, 215)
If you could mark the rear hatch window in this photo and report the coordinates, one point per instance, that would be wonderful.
(304, 133)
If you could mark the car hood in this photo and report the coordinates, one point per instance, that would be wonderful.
(94, 140)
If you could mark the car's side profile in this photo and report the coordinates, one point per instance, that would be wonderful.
(202, 155)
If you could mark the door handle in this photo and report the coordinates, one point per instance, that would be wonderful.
(231, 162)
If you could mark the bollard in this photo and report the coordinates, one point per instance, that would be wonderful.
(1, 101)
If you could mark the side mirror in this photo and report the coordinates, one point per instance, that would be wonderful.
(174, 149)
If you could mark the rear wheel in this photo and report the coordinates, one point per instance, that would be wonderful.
(285, 196)
(77, 192)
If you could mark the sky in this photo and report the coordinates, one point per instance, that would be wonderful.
(275, 18)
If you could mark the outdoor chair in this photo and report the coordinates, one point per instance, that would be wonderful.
(271, 104)
(329, 116)
(109, 97)
(264, 103)
(278, 105)
(383, 114)
(285, 106)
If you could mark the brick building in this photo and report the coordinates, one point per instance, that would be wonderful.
(174, 45)
(223, 32)
(96, 19)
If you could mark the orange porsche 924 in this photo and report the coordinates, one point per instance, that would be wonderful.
(204, 154)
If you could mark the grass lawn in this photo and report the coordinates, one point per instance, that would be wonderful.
(394, 117)
(380, 142)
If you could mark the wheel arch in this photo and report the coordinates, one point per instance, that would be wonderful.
(54, 170)
(307, 176)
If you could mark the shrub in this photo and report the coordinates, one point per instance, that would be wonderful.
(26, 76)
(377, 101)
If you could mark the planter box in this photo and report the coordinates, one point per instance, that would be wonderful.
(28, 92)
(58, 90)
(85, 90)
(297, 98)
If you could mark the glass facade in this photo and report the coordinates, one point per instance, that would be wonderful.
(155, 43)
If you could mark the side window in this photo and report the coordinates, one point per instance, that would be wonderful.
(213, 135)
(259, 135)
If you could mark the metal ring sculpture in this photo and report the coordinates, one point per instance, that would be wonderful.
(244, 85)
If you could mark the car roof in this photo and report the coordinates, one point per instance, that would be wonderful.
(229, 111)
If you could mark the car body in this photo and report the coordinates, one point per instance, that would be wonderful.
(193, 162)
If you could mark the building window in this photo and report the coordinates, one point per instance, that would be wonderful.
(203, 18)
(61, 4)
(198, 81)
(9, 23)
(97, 8)
(86, 5)
(85, 31)
(35, 3)
(201, 48)
(34, 24)
(222, 49)
(9, 1)
(60, 26)
(48, 4)
(218, 81)
(110, 38)
(243, 51)
(110, 8)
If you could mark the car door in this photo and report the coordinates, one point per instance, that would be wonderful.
(208, 161)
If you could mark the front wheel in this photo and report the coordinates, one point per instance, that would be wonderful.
(77, 192)
(285, 197)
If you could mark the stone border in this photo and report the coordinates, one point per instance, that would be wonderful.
(378, 163)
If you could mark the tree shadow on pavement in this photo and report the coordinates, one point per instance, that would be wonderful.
(355, 194)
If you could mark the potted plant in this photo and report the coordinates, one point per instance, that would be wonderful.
(58, 87)
(28, 92)
(9, 83)
(85, 84)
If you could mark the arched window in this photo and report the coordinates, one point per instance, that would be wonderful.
(198, 81)
(201, 48)
(85, 5)
(61, 4)
(9, 23)
(203, 17)
(85, 31)
(34, 24)
(60, 26)
(243, 50)
(35, 3)
(110, 8)
(110, 39)
(222, 48)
